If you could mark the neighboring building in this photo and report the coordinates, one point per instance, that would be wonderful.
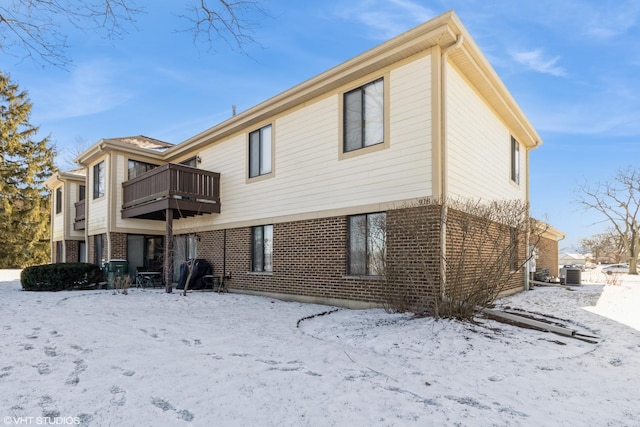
(567, 258)
(68, 190)
(546, 251)
(290, 197)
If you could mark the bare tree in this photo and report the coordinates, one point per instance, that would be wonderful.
(618, 200)
(606, 247)
(37, 29)
(227, 20)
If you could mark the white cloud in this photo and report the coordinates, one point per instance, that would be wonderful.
(607, 22)
(386, 19)
(587, 117)
(90, 88)
(536, 61)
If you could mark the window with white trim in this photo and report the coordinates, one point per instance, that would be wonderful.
(260, 149)
(363, 116)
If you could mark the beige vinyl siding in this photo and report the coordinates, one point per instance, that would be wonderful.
(227, 158)
(63, 222)
(73, 189)
(308, 175)
(478, 146)
(97, 218)
(98, 209)
(57, 232)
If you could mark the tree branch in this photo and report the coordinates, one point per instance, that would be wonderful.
(225, 20)
(34, 28)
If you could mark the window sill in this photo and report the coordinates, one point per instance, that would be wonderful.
(363, 277)
(260, 177)
(363, 151)
(260, 273)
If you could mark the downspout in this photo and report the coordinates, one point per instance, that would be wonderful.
(87, 192)
(110, 197)
(224, 258)
(52, 214)
(529, 254)
(443, 167)
(65, 228)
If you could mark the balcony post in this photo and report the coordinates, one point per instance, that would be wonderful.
(168, 251)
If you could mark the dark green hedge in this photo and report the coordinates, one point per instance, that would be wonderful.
(60, 277)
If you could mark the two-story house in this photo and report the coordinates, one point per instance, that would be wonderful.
(68, 216)
(289, 198)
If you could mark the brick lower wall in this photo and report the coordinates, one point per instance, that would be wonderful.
(118, 246)
(72, 250)
(310, 258)
(490, 258)
(547, 255)
(413, 256)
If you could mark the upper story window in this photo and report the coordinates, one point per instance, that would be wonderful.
(262, 248)
(58, 200)
(364, 116)
(260, 149)
(515, 161)
(367, 244)
(138, 168)
(98, 180)
(81, 192)
(193, 162)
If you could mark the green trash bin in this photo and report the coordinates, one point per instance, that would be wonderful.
(115, 268)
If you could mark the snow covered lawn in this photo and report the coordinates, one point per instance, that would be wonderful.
(156, 359)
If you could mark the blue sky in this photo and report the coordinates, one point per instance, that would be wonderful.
(572, 65)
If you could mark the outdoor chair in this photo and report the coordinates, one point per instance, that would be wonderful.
(146, 278)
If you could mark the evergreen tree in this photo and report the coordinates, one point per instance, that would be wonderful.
(25, 163)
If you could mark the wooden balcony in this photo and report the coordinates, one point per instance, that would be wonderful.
(187, 191)
(79, 223)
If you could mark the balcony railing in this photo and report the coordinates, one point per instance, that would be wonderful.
(79, 223)
(188, 191)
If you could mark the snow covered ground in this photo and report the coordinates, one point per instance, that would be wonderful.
(155, 359)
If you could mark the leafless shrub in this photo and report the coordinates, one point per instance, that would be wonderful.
(411, 267)
(612, 279)
(121, 284)
(450, 259)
